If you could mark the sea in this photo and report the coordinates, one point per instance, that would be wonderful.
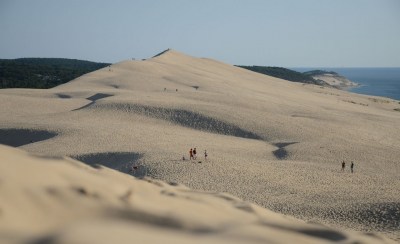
(384, 82)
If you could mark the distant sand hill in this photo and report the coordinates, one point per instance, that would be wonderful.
(335, 80)
(270, 142)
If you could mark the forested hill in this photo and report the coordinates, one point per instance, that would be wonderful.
(320, 72)
(43, 72)
(286, 74)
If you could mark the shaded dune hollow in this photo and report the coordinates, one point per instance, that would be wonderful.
(187, 119)
(93, 99)
(63, 96)
(281, 152)
(126, 162)
(381, 216)
(20, 137)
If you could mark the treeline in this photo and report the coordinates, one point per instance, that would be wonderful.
(286, 74)
(320, 72)
(43, 72)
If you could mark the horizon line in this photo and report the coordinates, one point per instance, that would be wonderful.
(289, 67)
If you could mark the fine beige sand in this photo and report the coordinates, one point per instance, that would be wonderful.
(60, 200)
(269, 142)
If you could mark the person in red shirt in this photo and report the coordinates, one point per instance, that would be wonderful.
(191, 154)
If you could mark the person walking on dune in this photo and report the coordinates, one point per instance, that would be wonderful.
(191, 154)
(343, 165)
(351, 166)
(194, 153)
(205, 155)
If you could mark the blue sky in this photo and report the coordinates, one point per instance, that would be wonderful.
(288, 33)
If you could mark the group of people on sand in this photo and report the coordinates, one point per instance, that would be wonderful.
(193, 154)
(351, 166)
(165, 89)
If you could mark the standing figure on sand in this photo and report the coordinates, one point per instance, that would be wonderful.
(351, 166)
(191, 154)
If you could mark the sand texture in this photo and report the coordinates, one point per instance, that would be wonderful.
(60, 200)
(270, 142)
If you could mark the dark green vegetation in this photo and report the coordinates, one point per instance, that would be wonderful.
(288, 74)
(319, 72)
(43, 72)
(161, 53)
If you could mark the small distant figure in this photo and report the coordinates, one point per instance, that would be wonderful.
(205, 155)
(165, 89)
(191, 154)
(351, 166)
(194, 153)
(343, 165)
(176, 90)
(183, 158)
(134, 168)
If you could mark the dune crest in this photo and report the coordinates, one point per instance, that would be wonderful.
(269, 141)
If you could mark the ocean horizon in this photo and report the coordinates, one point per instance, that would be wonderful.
(383, 82)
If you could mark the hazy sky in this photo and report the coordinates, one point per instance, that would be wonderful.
(288, 33)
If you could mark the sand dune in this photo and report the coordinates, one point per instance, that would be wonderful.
(73, 203)
(270, 142)
(336, 80)
(121, 161)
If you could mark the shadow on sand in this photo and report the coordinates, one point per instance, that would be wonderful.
(281, 152)
(20, 137)
(93, 99)
(126, 162)
(187, 119)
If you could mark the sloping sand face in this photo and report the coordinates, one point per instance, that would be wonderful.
(48, 200)
(185, 118)
(269, 141)
(125, 162)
